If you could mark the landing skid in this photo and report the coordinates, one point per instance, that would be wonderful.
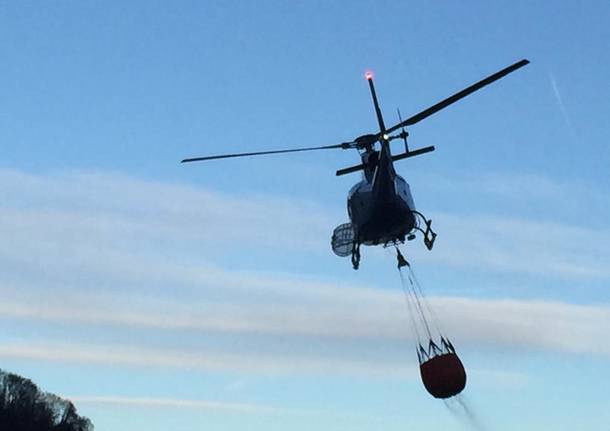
(429, 234)
(356, 254)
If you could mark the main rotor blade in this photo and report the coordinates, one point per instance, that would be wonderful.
(395, 158)
(457, 96)
(344, 145)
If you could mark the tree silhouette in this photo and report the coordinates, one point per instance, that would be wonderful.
(23, 407)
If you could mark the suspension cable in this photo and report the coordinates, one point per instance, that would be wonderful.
(429, 309)
(411, 306)
(420, 309)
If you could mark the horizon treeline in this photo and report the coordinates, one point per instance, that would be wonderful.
(24, 407)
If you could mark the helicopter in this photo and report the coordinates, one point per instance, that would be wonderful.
(380, 207)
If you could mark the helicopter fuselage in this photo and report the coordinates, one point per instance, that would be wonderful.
(380, 206)
(378, 221)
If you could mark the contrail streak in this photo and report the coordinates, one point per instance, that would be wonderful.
(562, 107)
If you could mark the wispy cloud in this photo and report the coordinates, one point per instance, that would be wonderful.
(215, 406)
(101, 209)
(205, 361)
(511, 245)
(364, 320)
(154, 403)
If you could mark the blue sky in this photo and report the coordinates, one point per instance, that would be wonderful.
(162, 296)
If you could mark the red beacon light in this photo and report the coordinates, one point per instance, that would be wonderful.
(368, 75)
